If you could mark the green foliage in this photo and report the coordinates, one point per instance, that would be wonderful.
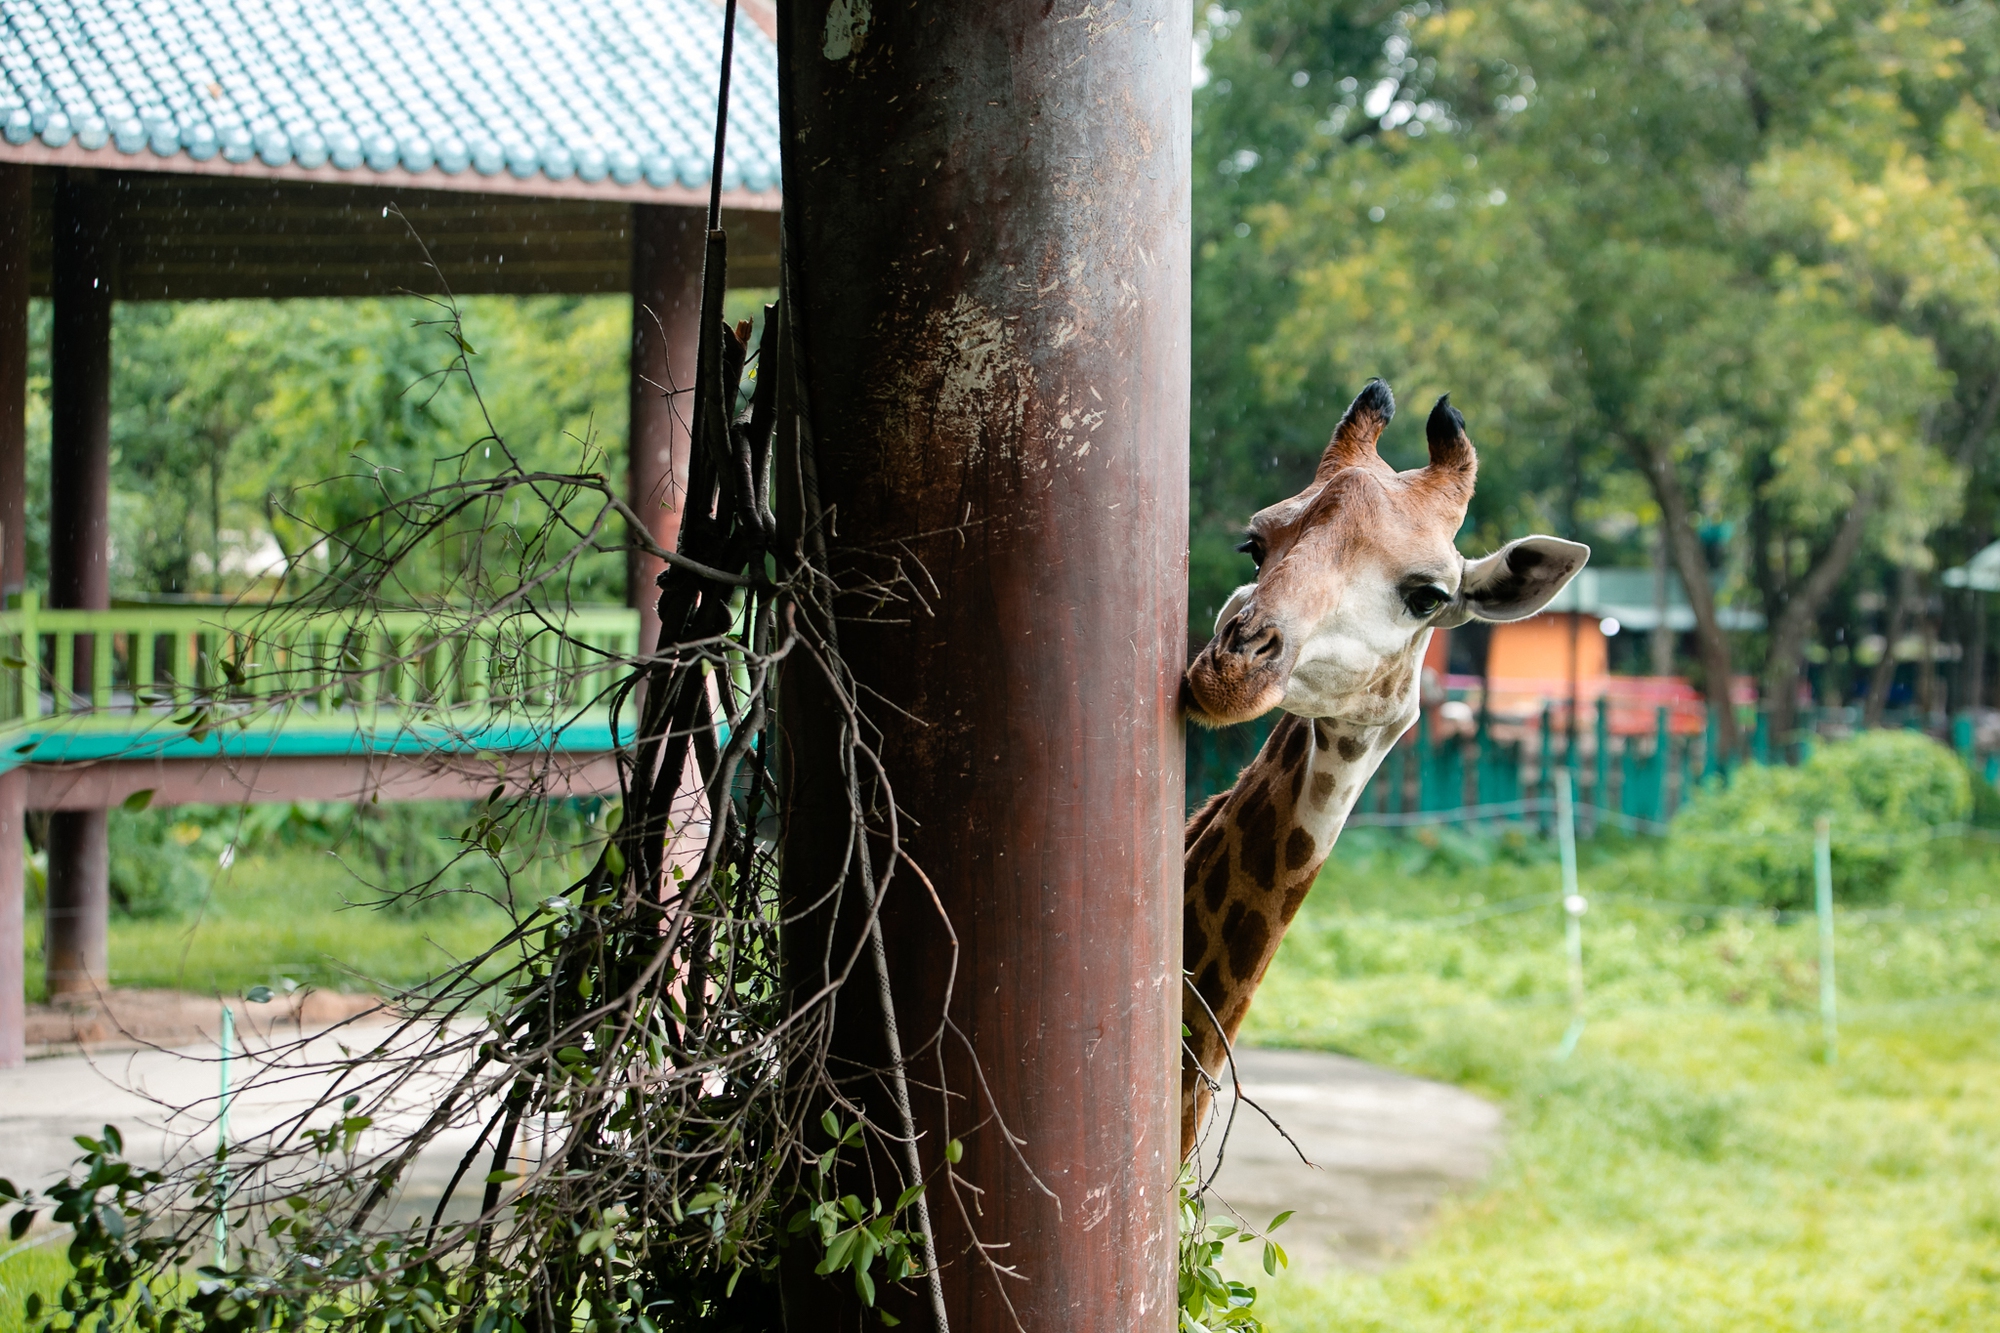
(154, 874)
(1746, 841)
(852, 1235)
(1212, 1302)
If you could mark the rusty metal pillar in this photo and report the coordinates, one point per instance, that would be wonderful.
(666, 301)
(987, 215)
(83, 266)
(16, 210)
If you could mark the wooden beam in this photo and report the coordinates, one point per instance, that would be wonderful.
(469, 182)
(667, 248)
(82, 284)
(282, 779)
(207, 238)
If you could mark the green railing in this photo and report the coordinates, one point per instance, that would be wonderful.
(74, 684)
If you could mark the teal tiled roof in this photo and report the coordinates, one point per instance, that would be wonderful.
(614, 91)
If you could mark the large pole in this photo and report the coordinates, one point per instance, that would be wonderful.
(16, 211)
(987, 215)
(666, 304)
(83, 268)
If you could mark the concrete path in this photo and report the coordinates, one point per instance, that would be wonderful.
(1386, 1149)
(164, 1104)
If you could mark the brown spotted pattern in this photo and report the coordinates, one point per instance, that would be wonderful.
(1251, 856)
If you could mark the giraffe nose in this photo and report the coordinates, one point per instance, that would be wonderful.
(1260, 643)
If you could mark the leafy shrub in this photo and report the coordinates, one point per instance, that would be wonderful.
(1749, 840)
(154, 870)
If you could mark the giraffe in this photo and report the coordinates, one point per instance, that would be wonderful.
(1353, 575)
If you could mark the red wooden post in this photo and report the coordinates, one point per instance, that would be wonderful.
(83, 269)
(666, 300)
(989, 215)
(16, 208)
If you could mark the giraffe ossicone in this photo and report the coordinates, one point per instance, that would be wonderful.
(1353, 575)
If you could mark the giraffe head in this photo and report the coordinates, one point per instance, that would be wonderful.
(1355, 571)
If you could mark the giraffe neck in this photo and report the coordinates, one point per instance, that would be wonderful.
(1251, 855)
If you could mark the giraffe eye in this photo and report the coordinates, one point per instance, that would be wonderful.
(1425, 600)
(1254, 548)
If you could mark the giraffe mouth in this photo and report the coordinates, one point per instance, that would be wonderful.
(1240, 675)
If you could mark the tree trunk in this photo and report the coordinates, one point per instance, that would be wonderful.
(1791, 624)
(1685, 547)
(1884, 674)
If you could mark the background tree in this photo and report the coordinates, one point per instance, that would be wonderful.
(1718, 269)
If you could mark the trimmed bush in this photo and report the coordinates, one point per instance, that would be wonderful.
(1748, 841)
(154, 872)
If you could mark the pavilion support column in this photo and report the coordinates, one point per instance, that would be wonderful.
(84, 263)
(666, 305)
(987, 231)
(16, 189)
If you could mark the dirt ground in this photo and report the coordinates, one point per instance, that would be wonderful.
(131, 1020)
(1385, 1149)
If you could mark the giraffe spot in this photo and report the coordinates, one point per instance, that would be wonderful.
(1295, 747)
(1294, 896)
(1298, 783)
(1206, 845)
(1209, 986)
(1194, 940)
(1299, 849)
(1323, 730)
(1258, 852)
(1216, 886)
(1246, 945)
(1350, 748)
(1322, 788)
(1386, 687)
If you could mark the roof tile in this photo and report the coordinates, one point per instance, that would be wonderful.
(622, 90)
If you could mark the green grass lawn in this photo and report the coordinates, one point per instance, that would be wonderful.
(1695, 1165)
(302, 913)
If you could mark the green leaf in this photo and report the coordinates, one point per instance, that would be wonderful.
(908, 1197)
(954, 1152)
(501, 1177)
(258, 995)
(1281, 1219)
(138, 800)
(18, 1224)
(830, 1123)
(614, 860)
(864, 1287)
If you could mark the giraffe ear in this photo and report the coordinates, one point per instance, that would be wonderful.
(1519, 579)
(1453, 464)
(1354, 438)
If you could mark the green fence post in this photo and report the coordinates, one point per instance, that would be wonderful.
(222, 1142)
(1574, 907)
(1663, 749)
(1823, 908)
(1600, 791)
(1544, 781)
(1760, 738)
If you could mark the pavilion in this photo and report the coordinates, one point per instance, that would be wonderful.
(208, 149)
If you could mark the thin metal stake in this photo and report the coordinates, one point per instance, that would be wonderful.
(1823, 907)
(1574, 906)
(222, 1143)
